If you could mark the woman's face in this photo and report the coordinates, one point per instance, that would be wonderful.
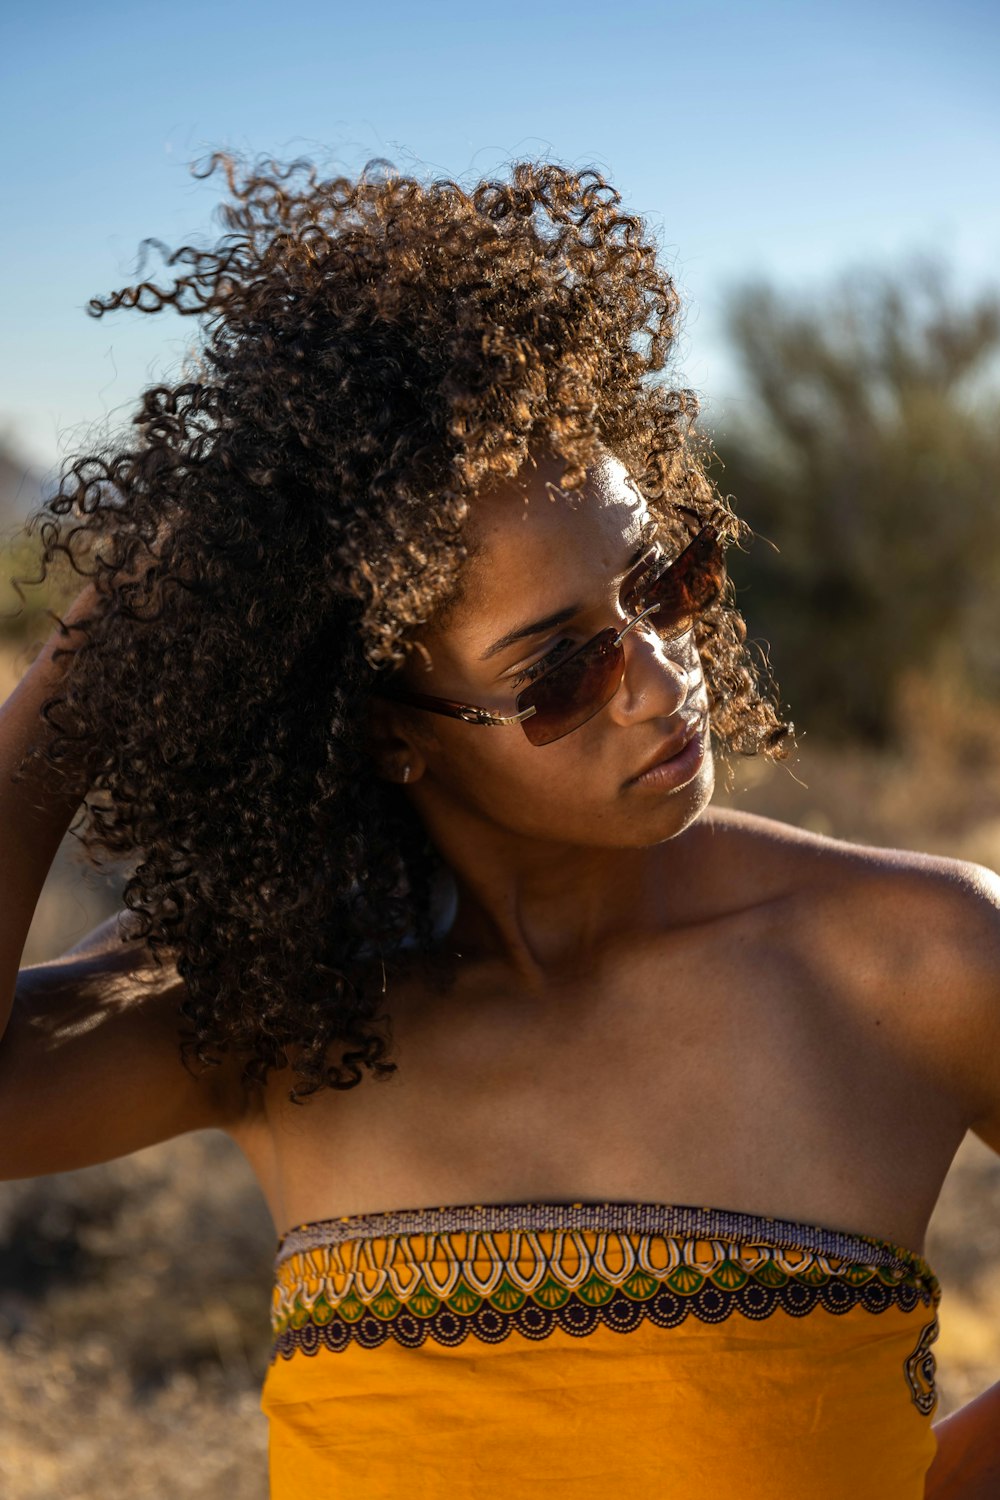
(538, 552)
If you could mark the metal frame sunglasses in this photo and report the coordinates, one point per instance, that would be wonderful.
(578, 687)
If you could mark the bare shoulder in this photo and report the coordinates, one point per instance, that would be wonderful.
(767, 844)
(915, 936)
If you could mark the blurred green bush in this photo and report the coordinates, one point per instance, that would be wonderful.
(25, 616)
(866, 448)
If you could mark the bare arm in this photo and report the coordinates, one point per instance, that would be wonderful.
(90, 1064)
(967, 1042)
(967, 1464)
(33, 819)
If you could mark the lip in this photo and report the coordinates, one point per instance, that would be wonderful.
(677, 760)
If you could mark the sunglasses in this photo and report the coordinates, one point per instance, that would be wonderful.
(569, 694)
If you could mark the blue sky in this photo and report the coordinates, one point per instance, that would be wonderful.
(791, 141)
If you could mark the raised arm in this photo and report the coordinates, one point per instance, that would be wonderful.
(90, 1065)
(33, 817)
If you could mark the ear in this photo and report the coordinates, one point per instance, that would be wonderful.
(392, 743)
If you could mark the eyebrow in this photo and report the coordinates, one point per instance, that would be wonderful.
(561, 616)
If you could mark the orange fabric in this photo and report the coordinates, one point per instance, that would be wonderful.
(566, 1350)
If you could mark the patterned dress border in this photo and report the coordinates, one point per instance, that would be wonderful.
(616, 1217)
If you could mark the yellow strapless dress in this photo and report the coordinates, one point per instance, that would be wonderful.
(580, 1350)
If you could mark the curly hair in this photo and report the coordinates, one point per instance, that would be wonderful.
(372, 354)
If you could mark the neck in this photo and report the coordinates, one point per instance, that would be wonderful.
(548, 912)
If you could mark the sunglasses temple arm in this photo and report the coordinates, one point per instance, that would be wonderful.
(464, 711)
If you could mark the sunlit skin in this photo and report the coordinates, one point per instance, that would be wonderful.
(554, 854)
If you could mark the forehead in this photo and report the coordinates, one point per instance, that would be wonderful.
(537, 548)
(534, 525)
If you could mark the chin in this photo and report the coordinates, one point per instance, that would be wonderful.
(667, 816)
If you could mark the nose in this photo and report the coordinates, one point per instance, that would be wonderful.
(660, 674)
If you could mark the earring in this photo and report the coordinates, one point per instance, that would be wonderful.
(406, 773)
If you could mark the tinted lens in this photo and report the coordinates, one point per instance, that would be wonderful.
(579, 687)
(574, 691)
(685, 588)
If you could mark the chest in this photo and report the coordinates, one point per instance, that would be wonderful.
(737, 1068)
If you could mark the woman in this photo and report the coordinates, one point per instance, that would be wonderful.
(406, 659)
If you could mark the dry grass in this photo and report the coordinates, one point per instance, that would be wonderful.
(134, 1322)
(133, 1296)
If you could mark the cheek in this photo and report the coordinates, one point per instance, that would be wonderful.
(499, 760)
(524, 786)
(538, 792)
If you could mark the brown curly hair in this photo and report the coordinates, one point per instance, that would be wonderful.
(374, 352)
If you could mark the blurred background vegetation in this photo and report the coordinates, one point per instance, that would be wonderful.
(867, 450)
(864, 452)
